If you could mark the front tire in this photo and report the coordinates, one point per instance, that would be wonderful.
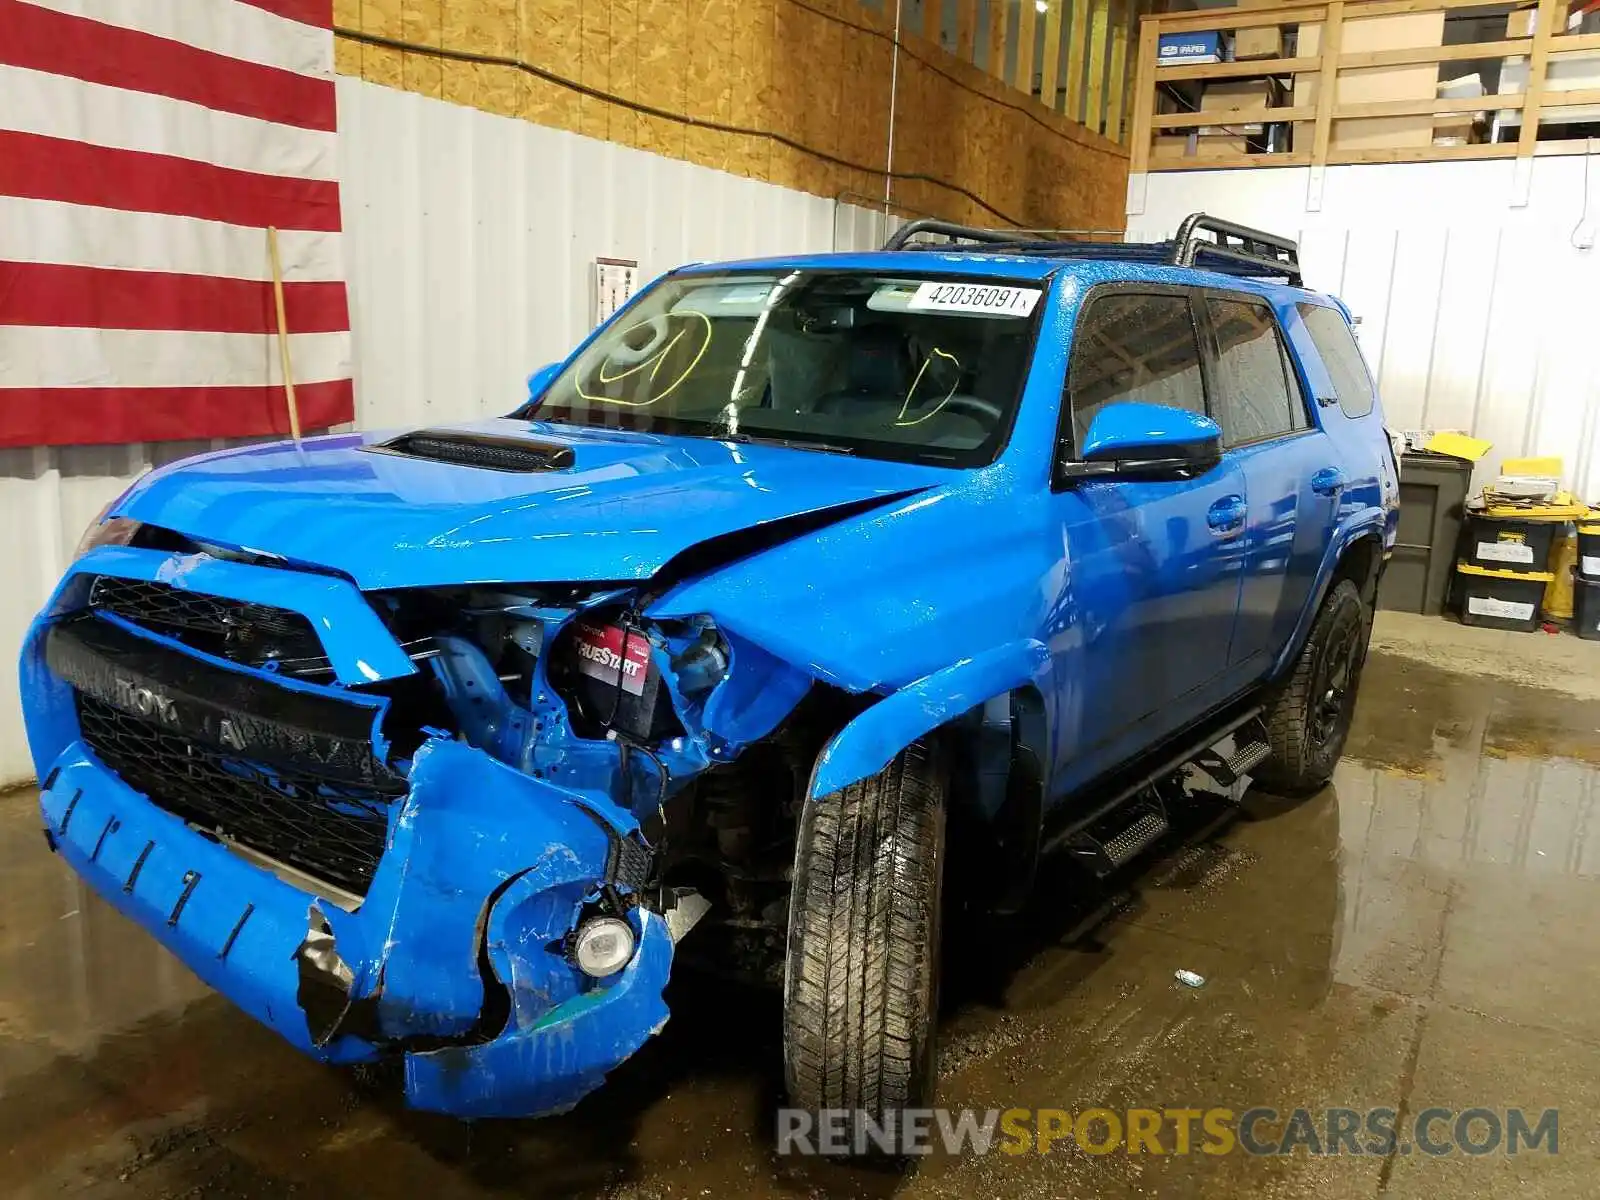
(861, 987)
(1309, 716)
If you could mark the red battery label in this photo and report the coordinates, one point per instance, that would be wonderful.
(601, 654)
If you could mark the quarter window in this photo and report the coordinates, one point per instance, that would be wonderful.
(1133, 346)
(1257, 393)
(1330, 333)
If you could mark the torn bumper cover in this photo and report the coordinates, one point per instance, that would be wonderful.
(457, 955)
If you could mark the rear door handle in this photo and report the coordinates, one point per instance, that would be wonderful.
(1328, 482)
(1226, 515)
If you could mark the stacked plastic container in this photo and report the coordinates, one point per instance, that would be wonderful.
(1586, 583)
(1503, 570)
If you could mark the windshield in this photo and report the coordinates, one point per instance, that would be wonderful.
(887, 366)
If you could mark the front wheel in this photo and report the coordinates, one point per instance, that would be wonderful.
(1308, 718)
(861, 984)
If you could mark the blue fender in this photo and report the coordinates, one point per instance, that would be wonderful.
(867, 744)
(1363, 522)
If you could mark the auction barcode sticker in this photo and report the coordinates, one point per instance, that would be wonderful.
(985, 299)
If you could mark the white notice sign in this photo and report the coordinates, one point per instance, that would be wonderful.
(614, 281)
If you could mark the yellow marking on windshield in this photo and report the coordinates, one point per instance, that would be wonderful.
(900, 421)
(654, 362)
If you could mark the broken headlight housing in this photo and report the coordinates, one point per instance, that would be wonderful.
(106, 530)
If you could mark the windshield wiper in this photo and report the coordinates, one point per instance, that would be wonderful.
(787, 443)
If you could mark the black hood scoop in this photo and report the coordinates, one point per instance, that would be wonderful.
(520, 455)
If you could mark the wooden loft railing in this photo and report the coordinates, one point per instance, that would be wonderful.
(1299, 122)
(1074, 56)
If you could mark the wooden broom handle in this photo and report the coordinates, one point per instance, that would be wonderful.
(283, 332)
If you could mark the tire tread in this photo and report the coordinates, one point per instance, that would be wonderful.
(1292, 765)
(863, 931)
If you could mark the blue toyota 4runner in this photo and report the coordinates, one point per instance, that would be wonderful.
(435, 746)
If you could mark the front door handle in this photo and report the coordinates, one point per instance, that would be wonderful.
(1226, 515)
(1328, 482)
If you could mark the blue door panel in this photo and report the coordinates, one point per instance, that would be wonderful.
(1290, 522)
(1152, 577)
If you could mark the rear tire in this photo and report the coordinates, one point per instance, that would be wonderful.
(1308, 717)
(861, 984)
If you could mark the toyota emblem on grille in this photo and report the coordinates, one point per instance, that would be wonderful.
(146, 701)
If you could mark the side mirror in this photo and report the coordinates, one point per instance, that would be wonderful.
(1148, 441)
(540, 379)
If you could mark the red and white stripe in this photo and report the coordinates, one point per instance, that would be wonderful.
(145, 147)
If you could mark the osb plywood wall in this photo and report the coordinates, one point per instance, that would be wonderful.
(794, 92)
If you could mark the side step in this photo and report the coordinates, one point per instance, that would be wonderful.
(1125, 812)
(1116, 839)
(1228, 763)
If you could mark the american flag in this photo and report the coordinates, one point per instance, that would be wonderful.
(145, 148)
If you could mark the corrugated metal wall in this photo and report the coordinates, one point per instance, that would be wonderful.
(469, 246)
(472, 240)
(1476, 310)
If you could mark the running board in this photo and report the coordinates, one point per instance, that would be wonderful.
(1116, 840)
(1228, 762)
(1129, 814)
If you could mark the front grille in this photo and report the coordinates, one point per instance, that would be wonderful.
(244, 632)
(331, 830)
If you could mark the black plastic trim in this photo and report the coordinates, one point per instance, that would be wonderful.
(225, 709)
(490, 452)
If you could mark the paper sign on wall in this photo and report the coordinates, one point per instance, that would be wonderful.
(614, 281)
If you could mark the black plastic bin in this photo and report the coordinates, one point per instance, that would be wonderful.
(1507, 544)
(1501, 599)
(1586, 608)
(1589, 549)
(1433, 488)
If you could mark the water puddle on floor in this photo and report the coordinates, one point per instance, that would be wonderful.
(1420, 932)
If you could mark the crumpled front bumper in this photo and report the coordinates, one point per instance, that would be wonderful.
(454, 957)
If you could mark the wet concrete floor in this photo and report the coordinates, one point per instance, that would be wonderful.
(1420, 933)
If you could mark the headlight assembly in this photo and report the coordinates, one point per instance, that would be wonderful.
(106, 530)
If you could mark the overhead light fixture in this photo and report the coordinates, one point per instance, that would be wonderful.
(1042, 5)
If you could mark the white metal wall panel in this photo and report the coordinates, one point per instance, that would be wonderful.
(47, 497)
(473, 239)
(1474, 306)
(469, 246)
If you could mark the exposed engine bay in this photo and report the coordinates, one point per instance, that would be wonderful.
(707, 741)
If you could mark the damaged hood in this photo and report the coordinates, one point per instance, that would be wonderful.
(607, 505)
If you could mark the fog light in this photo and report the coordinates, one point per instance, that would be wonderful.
(603, 946)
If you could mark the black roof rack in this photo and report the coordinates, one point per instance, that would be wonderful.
(1229, 248)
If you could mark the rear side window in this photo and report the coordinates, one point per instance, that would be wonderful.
(1340, 354)
(1258, 394)
(1134, 347)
